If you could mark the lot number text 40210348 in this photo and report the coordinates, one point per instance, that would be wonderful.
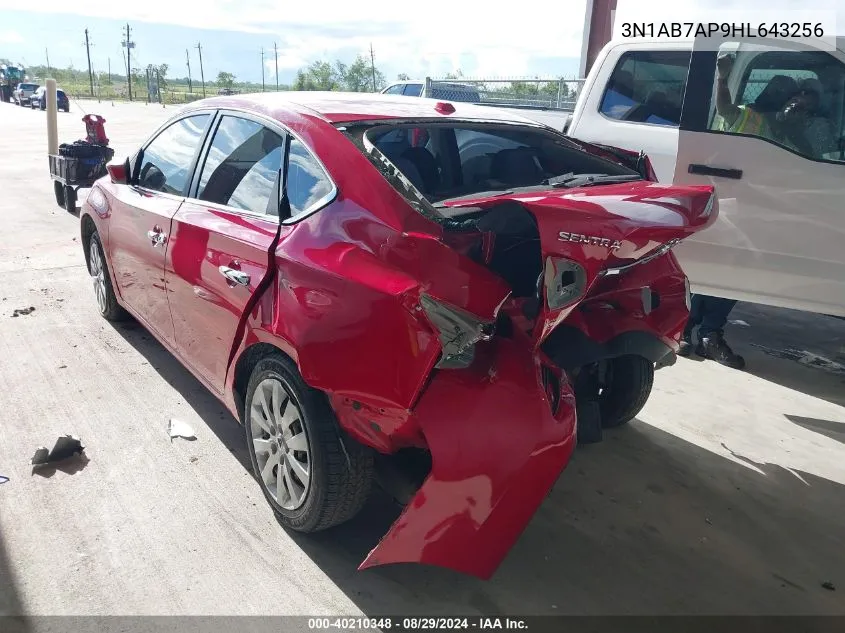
(415, 624)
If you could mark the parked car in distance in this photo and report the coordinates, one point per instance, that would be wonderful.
(778, 240)
(39, 99)
(409, 293)
(444, 90)
(23, 92)
(555, 118)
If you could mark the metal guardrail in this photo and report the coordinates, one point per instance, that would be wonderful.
(518, 92)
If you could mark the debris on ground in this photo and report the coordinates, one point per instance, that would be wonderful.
(740, 322)
(178, 428)
(3, 479)
(66, 447)
(708, 521)
(23, 311)
(194, 459)
(829, 586)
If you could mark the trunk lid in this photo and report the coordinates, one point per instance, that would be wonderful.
(586, 233)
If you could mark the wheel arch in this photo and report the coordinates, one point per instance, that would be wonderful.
(87, 227)
(243, 367)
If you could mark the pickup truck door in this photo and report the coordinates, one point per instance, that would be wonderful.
(780, 235)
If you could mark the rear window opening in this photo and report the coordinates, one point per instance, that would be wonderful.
(454, 160)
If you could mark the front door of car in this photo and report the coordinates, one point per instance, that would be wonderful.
(139, 227)
(221, 240)
(779, 236)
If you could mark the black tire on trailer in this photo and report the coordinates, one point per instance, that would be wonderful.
(628, 385)
(59, 191)
(70, 199)
(312, 474)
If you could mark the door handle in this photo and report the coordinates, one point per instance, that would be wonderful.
(707, 170)
(234, 276)
(157, 238)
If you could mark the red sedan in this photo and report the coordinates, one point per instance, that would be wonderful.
(399, 291)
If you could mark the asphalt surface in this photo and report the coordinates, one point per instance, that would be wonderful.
(725, 496)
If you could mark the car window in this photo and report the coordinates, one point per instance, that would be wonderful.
(647, 87)
(395, 89)
(446, 161)
(242, 164)
(413, 90)
(167, 159)
(307, 184)
(793, 98)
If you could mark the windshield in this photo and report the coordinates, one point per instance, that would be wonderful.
(28, 86)
(461, 159)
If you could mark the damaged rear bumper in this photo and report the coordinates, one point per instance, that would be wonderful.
(500, 432)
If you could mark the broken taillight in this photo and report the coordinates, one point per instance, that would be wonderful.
(458, 332)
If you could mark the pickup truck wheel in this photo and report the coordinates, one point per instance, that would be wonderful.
(628, 381)
(312, 474)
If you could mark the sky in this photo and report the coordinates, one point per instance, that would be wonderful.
(541, 39)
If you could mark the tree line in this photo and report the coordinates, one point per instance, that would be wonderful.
(362, 75)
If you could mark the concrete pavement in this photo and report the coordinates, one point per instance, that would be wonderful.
(726, 496)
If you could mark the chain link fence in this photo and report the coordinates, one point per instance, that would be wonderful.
(551, 93)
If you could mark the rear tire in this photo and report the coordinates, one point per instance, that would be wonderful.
(297, 434)
(70, 199)
(628, 388)
(59, 191)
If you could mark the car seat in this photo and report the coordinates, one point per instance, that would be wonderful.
(518, 167)
(427, 173)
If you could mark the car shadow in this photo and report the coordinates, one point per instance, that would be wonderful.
(642, 523)
(828, 428)
(799, 350)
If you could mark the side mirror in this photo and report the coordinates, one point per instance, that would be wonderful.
(119, 172)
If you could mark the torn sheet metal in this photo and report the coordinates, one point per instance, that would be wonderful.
(66, 447)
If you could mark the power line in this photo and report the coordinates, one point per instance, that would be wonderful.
(128, 44)
(373, 65)
(88, 54)
(202, 74)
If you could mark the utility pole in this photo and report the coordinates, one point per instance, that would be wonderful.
(47, 53)
(276, 57)
(202, 74)
(110, 71)
(128, 44)
(373, 65)
(88, 53)
(188, 59)
(262, 69)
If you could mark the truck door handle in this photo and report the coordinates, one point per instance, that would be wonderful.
(234, 276)
(707, 170)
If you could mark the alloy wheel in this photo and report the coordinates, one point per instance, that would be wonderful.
(280, 443)
(98, 275)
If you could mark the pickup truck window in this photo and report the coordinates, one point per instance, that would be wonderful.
(647, 87)
(791, 98)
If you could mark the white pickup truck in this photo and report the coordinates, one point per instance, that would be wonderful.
(780, 236)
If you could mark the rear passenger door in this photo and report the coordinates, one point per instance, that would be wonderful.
(781, 227)
(221, 239)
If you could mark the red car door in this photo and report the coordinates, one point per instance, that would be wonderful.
(139, 227)
(221, 239)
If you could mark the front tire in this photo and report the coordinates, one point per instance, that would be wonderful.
(312, 474)
(99, 271)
